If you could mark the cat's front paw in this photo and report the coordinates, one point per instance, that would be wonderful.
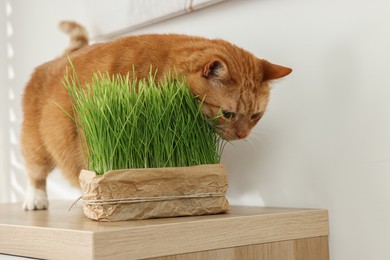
(35, 199)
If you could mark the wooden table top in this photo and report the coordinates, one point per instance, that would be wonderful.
(58, 233)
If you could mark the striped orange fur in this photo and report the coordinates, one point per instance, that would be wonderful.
(231, 80)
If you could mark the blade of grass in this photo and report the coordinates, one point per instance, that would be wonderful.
(140, 123)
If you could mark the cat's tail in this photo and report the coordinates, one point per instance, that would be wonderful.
(77, 33)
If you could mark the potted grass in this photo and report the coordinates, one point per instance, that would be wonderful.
(148, 149)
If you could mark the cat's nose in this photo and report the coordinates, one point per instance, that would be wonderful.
(241, 134)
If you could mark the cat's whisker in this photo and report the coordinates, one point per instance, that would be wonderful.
(259, 131)
(258, 139)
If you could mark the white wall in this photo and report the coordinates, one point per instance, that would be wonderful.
(325, 140)
(34, 40)
(4, 153)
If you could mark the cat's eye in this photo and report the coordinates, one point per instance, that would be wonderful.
(256, 116)
(228, 114)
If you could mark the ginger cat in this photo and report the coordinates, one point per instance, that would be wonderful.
(231, 79)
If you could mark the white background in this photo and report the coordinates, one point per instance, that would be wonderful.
(325, 139)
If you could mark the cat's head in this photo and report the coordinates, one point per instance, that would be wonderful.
(236, 91)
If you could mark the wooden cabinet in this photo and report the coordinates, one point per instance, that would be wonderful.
(258, 233)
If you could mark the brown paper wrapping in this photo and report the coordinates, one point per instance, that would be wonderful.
(154, 192)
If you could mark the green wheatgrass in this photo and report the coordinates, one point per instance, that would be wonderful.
(141, 123)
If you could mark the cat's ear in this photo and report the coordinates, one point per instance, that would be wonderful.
(215, 69)
(273, 71)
